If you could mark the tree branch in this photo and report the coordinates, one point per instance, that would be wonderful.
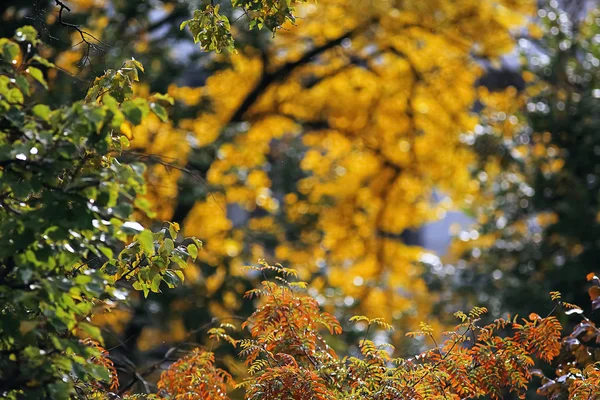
(141, 375)
(285, 70)
(266, 80)
(83, 34)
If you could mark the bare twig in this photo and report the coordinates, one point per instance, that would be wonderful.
(85, 36)
(168, 164)
(141, 375)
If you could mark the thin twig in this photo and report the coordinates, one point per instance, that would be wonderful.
(163, 160)
(141, 375)
(83, 34)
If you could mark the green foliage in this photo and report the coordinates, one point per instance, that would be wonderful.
(288, 357)
(117, 84)
(543, 220)
(213, 30)
(271, 14)
(66, 208)
(70, 247)
(153, 258)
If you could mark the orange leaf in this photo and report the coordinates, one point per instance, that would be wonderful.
(591, 276)
(594, 292)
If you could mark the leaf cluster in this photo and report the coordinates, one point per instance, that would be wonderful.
(67, 207)
(286, 356)
(212, 30)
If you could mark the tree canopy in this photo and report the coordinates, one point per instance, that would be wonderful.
(319, 135)
(538, 172)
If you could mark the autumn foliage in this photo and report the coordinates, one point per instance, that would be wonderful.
(287, 355)
(195, 377)
(321, 147)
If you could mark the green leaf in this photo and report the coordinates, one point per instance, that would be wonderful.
(27, 33)
(176, 258)
(180, 275)
(10, 50)
(25, 274)
(59, 390)
(193, 251)
(42, 111)
(171, 278)
(132, 228)
(135, 110)
(164, 97)
(99, 372)
(145, 206)
(147, 242)
(96, 116)
(168, 245)
(107, 251)
(37, 74)
(91, 330)
(197, 242)
(160, 111)
(22, 84)
(110, 268)
(155, 286)
(133, 63)
(173, 229)
(43, 61)
(125, 143)
(210, 29)
(138, 285)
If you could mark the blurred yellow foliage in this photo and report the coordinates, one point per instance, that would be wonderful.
(172, 333)
(377, 94)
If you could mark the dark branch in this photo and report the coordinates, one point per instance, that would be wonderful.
(285, 70)
(141, 375)
(267, 79)
(85, 36)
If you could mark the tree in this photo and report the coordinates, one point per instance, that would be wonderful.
(287, 355)
(63, 20)
(59, 235)
(537, 169)
(322, 148)
(66, 204)
(66, 209)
